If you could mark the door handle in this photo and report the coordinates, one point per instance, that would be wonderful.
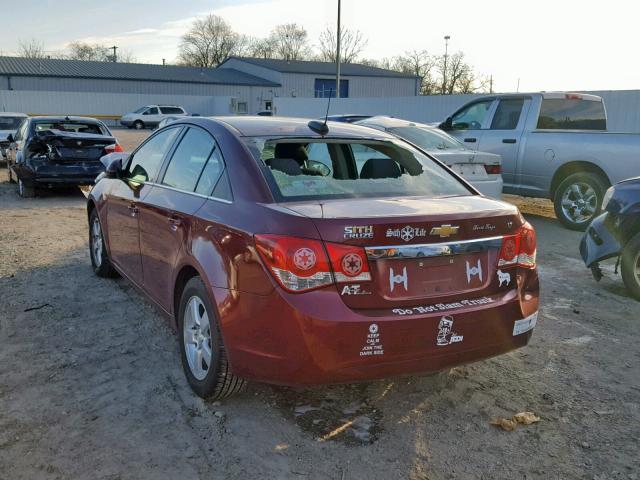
(133, 209)
(470, 140)
(508, 140)
(174, 222)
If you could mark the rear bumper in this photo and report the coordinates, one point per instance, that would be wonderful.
(314, 338)
(491, 188)
(59, 175)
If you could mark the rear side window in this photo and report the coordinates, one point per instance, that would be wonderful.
(189, 160)
(299, 169)
(10, 123)
(571, 114)
(66, 126)
(151, 111)
(507, 114)
(171, 110)
(146, 162)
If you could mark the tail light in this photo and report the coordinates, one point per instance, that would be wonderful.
(116, 147)
(493, 169)
(349, 263)
(519, 249)
(300, 264)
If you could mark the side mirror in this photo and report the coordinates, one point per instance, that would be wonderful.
(446, 125)
(113, 164)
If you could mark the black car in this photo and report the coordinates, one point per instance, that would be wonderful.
(616, 233)
(50, 152)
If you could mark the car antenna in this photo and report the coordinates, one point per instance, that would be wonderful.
(318, 127)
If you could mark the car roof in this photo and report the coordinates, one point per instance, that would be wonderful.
(255, 126)
(13, 114)
(66, 118)
(390, 122)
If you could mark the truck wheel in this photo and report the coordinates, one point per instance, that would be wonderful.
(204, 359)
(630, 266)
(578, 199)
(25, 191)
(138, 125)
(99, 257)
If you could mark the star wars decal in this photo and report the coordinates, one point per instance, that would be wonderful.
(406, 233)
(446, 335)
(355, 289)
(358, 231)
(304, 258)
(441, 307)
(402, 279)
(474, 270)
(504, 278)
(373, 345)
(352, 264)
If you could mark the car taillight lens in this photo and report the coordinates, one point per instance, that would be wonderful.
(116, 147)
(349, 263)
(493, 169)
(301, 264)
(519, 249)
(298, 264)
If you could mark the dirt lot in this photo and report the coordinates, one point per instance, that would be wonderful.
(91, 384)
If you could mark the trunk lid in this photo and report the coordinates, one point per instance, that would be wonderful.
(420, 251)
(468, 163)
(72, 146)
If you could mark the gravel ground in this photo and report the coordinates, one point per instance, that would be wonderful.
(91, 384)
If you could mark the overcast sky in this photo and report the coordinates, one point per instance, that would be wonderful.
(547, 45)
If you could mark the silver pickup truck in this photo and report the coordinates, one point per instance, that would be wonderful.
(553, 145)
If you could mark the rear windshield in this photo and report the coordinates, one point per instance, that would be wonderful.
(571, 114)
(309, 169)
(428, 138)
(70, 126)
(10, 123)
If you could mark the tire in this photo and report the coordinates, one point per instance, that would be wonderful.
(100, 261)
(578, 199)
(24, 190)
(138, 125)
(10, 173)
(198, 323)
(630, 266)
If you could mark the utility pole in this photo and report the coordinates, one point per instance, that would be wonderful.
(338, 55)
(491, 84)
(115, 58)
(444, 73)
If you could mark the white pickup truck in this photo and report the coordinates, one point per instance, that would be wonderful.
(553, 145)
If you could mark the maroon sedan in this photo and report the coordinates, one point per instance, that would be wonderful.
(289, 254)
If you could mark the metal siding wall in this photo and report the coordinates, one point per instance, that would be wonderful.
(623, 107)
(252, 69)
(303, 86)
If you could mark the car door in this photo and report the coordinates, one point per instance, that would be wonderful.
(166, 215)
(15, 147)
(151, 116)
(504, 136)
(124, 197)
(470, 122)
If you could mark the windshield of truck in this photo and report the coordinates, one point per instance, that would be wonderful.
(301, 169)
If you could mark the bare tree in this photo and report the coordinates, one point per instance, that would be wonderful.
(458, 76)
(209, 41)
(352, 43)
(291, 42)
(261, 47)
(79, 50)
(31, 49)
(420, 64)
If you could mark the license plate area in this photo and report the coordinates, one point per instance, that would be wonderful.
(470, 170)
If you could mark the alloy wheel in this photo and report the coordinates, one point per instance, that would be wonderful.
(197, 337)
(579, 202)
(96, 242)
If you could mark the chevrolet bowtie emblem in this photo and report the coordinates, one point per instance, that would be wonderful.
(445, 230)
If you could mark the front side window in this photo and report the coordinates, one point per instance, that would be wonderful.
(300, 169)
(189, 160)
(507, 114)
(572, 114)
(428, 139)
(471, 117)
(147, 160)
